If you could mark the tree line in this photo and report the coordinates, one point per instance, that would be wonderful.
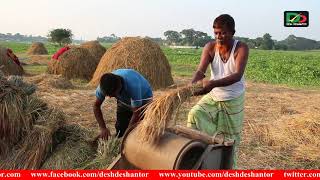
(186, 37)
(290, 43)
(17, 37)
(190, 37)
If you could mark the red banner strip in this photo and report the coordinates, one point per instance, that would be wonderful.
(160, 174)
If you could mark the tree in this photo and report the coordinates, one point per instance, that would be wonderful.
(109, 39)
(279, 46)
(157, 40)
(267, 42)
(250, 42)
(188, 36)
(299, 43)
(173, 37)
(201, 39)
(60, 36)
(258, 42)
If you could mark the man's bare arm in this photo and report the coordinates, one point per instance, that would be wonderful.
(104, 131)
(136, 116)
(204, 62)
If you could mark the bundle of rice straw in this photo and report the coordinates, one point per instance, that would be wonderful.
(161, 111)
(107, 151)
(17, 110)
(30, 153)
(26, 125)
(72, 150)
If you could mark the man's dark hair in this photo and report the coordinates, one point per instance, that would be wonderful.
(109, 83)
(225, 20)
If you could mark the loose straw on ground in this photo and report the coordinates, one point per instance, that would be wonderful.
(298, 135)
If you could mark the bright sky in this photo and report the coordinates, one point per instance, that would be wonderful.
(89, 19)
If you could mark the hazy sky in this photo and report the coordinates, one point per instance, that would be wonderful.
(90, 19)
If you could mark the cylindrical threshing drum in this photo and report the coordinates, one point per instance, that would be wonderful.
(172, 152)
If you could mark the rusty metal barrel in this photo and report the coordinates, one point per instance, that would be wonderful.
(172, 152)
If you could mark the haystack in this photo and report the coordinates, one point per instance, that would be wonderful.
(7, 65)
(76, 63)
(26, 125)
(37, 48)
(140, 54)
(95, 48)
(49, 81)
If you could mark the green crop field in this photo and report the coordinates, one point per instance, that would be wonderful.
(293, 68)
(284, 67)
(18, 47)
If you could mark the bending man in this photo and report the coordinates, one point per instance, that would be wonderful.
(132, 92)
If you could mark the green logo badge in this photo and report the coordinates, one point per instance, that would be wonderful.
(296, 18)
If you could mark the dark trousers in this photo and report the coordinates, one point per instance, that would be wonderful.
(124, 115)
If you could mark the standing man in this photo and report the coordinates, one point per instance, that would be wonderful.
(132, 92)
(221, 109)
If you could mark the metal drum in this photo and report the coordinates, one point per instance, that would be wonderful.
(172, 152)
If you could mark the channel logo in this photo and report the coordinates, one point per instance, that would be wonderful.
(296, 18)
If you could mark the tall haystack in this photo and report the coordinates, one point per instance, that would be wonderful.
(140, 54)
(75, 63)
(37, 48)
(95, 48)
(7, 65)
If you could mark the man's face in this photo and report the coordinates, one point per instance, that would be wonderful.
(222, 35)
(116, 92)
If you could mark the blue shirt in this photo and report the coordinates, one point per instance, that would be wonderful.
(135, 91)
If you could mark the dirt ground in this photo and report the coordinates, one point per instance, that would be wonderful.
(264, 105)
